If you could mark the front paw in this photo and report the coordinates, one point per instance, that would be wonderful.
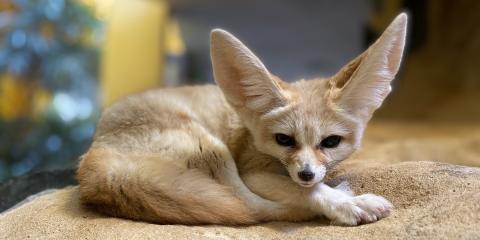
(365, 208)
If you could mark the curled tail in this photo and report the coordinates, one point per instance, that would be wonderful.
(137, 187)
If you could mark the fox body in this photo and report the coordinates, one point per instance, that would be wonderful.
(252, 149)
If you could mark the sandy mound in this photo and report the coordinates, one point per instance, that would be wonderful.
(431, 199)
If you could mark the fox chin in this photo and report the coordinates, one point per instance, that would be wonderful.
(252, 149)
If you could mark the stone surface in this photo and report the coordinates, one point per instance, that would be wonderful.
(408, 163)
(432, 201)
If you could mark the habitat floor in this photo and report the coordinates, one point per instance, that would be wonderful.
(406, 163)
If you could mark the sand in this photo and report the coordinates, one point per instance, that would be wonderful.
(405, 163)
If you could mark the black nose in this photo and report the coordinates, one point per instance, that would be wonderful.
(306, 175)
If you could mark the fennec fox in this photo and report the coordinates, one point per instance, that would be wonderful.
(253, 149)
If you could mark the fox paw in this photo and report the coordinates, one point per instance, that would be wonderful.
(365, 208)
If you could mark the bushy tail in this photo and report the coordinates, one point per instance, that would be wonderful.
(125, 185)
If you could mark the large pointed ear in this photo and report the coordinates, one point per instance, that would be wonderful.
(243, 78)
(361, 86)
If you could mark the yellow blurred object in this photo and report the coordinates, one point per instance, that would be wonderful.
(134, 50)
(102, 7)
(7, 6)
(14, 100)
(20, 99)
(41, 100)
(174, 42)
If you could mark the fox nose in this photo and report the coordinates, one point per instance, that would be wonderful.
(306, 175)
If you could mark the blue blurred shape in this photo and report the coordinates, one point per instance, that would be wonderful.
(39, 43)
(85, 108)
(66, 107)
(18, 63)
(53, 9)
(53, 143)
(26, 164)
(18, 39)
(83, 132)
(5, 19)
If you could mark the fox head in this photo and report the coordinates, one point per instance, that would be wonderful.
(309, 126)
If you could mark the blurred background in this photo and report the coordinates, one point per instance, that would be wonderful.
(62, 61)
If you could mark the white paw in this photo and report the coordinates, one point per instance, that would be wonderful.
(365, 208)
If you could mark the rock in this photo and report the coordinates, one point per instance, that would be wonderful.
(432, 200)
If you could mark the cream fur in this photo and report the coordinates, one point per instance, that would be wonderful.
(208, 155)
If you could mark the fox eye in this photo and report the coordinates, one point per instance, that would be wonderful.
(331, 141)
(284, 140)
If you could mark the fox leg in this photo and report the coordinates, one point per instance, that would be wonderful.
(337, 205)
(222, 167)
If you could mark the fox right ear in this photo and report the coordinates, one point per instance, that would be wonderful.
(243, 78)
(361, 86)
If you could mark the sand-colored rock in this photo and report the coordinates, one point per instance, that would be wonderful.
(432, 200)
(406, 163)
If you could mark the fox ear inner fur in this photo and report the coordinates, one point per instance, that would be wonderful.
(360, 87)
(243, 78)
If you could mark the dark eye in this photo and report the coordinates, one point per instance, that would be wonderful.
(284, 140)
(331, 141)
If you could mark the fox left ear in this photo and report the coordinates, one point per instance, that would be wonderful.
(242, 77)
(361, 86)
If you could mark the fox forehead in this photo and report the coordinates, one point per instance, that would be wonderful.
(307, 116)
